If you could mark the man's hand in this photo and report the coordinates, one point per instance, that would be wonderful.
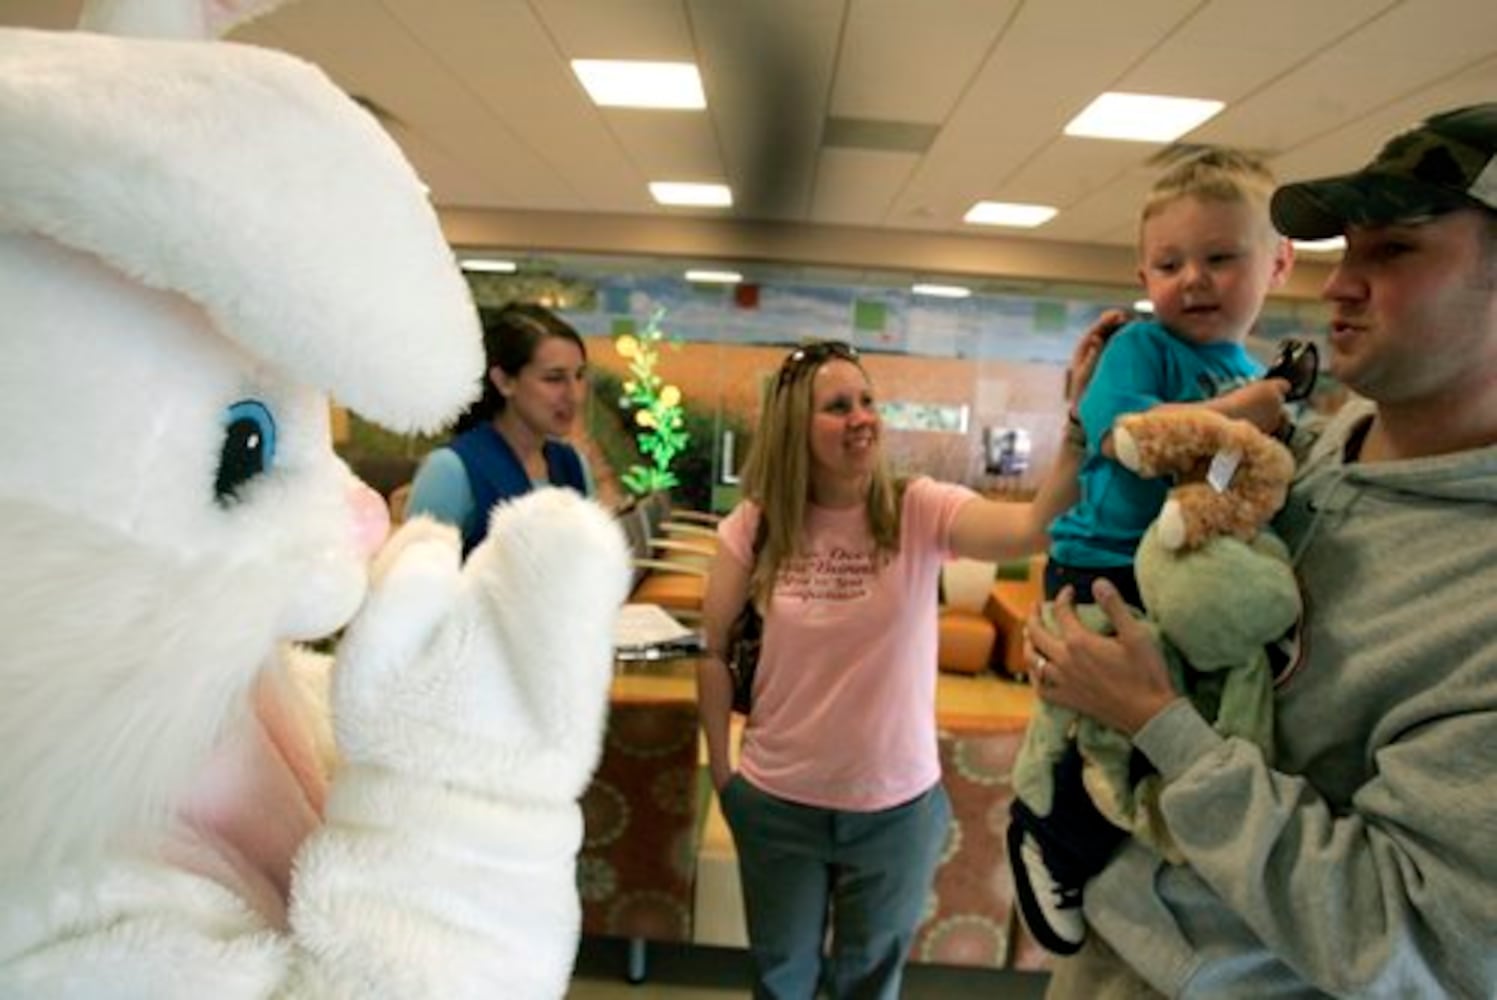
(1121, 682)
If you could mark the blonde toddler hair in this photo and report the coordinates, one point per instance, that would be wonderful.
(1215, 174)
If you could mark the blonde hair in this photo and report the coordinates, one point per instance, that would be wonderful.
(1215, 174)
(777, 475)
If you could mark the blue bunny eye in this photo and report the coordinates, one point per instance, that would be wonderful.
(248, 448)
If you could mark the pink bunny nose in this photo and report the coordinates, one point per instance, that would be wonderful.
(371, 518)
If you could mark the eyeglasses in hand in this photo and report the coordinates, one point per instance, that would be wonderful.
(1297, 363)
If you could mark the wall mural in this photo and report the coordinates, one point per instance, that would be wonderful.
(997, 328)
(996, 433)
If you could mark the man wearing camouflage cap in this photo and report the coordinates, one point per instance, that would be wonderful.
(1362, 860)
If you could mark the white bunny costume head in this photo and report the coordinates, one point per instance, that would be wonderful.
(199, 243)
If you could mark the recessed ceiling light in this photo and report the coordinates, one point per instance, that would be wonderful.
(1333, 245)
(1005, 213)
(714, 277)
(1143, 306)
(679, 193)
(941, 291)
(1141, 117)
(627, 83)
(488, 266)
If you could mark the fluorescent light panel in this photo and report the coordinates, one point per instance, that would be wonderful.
(1141, 117)
(941, 291)
(714, 277)
(487, 266)
(681, 193)
(625, 83)
(1007, 213)
(1333, 245)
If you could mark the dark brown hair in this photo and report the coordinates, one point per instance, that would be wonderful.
(510, 338)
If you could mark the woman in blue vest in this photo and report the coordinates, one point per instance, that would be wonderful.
(507, 443)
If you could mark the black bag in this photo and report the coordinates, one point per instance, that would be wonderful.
(745, 636)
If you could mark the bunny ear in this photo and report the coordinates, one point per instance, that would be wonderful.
(183, 19)
(313, 247)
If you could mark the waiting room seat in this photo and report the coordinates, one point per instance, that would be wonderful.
(670, 566)
(966, 636)
(1020, 587)
(665, 520)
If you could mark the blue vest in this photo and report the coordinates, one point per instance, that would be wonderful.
(495, 474)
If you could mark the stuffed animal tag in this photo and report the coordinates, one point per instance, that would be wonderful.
(1223, 467)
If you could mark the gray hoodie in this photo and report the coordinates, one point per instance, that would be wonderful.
(1365, 862)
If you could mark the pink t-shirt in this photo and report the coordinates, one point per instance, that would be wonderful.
(845, 696)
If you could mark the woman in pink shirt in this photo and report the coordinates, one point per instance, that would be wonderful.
(837, 810)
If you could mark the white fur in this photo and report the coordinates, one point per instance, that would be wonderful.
(456, 707)
(186, 226)
(241, 179)
(170, 18)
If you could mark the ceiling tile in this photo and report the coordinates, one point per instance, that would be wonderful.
(910, 61)
(855, 185)
(768, 73)
(664, 145)
(1230, 49)
(1352, 145)
(618, 29)
(391, 67)
(1018, 103)
(506, 57)
(1068, 169)
(481, 97)
(1391, 56)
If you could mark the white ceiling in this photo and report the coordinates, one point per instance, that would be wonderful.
(480, 95)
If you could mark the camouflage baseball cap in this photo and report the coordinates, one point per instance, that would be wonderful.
(1446, 162)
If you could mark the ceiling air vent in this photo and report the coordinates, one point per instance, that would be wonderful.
(881, 136)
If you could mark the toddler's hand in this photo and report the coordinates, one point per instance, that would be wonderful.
(1261, 403)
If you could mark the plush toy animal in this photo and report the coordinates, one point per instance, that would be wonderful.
(1217, 588)
(1232, 476)
(199, 243)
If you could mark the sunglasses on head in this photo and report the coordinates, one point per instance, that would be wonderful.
(813, 354)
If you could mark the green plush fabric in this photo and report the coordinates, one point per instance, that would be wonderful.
(1013, 569)
(1212, 610)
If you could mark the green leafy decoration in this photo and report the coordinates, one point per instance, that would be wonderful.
(658, 416)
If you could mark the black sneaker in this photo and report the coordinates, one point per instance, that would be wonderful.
(1050, 908)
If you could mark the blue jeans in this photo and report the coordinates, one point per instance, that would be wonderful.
(866, 875)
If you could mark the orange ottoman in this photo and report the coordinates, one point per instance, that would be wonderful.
(965, 641)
